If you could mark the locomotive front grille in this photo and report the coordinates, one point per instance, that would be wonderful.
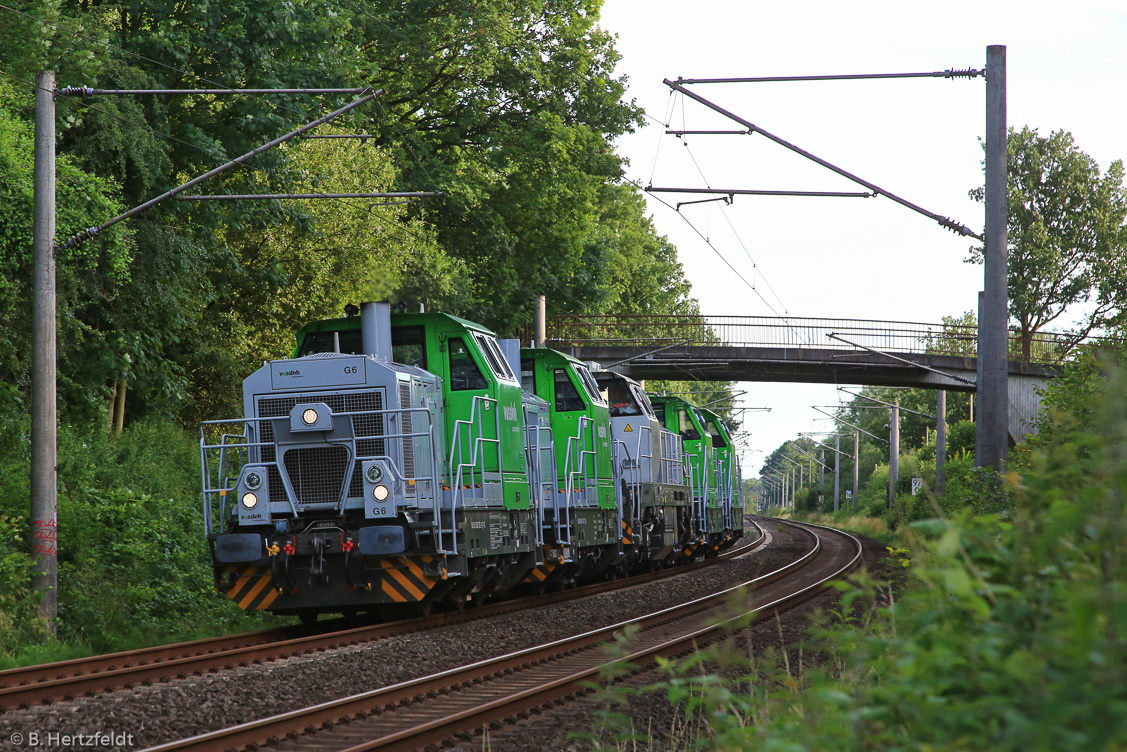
(322, 484)
(317, 473)
(408, 444)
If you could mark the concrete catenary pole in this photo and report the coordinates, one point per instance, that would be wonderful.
(893, 453)
(837, 472)
(822, 478)
(856, 466)
(991, 443)
(940, 440)
(541, 320)
(44, 446)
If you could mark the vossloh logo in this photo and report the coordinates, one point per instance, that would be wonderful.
(294, 373)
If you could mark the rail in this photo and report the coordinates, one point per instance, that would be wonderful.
(54, 682)
(431, 709)
(659, 331)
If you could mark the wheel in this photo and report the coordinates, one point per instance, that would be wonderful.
(308, 618)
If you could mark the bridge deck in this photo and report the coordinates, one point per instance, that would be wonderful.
(795, 364)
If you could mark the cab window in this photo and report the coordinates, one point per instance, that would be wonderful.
(685, 426)
(659, 412)
(717, 437)
(527, 375)
(408, 346)
(643, 401)
(347, 342)
(494, 356)
(464, 373)
(590, 385)
(621, 399)
(506, 367)
(567, 396)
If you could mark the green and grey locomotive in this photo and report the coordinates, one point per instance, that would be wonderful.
(395, 462)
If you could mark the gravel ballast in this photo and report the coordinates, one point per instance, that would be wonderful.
(178, 709)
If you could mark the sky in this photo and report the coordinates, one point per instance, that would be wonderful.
(849, 258)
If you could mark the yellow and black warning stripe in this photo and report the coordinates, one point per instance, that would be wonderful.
(398, 580)
(253, 589)
(541, 572)
(401, 580)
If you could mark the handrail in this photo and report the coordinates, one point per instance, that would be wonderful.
(477, 454)
(224, 481)
(580, 440)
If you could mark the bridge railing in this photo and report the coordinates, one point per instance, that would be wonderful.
(769, 331)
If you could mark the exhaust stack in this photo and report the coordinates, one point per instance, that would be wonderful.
(375, 330)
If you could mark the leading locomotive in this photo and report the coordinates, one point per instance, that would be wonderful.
(400, 461)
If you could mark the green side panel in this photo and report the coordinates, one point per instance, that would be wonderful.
(517, 491)
(681, 417)
(570, 401)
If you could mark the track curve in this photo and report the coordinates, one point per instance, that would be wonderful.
(47, 683)
(429, 710)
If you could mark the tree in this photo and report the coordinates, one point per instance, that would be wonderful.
(295, 271)
(85, 275)
(509, 107)
(1067, 237)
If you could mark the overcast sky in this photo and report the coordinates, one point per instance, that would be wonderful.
(919, 138)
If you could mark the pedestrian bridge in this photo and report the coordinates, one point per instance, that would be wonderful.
(805, 350)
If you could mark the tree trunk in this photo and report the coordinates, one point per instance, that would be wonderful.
(119, 404)
(1026, 344)
(112, 407)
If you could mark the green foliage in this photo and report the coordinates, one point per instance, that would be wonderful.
(958, 336)
(19, 623)
(302, 269)
(510, 108)
(1067, 234)
(1007, 631)
(133, 568)
(84, 275)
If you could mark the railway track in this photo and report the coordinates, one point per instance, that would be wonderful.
(411, 715)
(66, 680)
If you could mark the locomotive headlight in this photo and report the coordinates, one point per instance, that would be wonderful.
(253, 481)
(374, 473)
(249, 500)
(309, 417)
(380, 493)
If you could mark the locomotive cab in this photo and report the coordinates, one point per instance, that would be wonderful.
(656, 504)
(583, 516)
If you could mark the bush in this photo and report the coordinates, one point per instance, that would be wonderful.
(19, 624)
(133, 565)
(1010, 632)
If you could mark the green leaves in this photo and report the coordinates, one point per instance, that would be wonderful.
(1067, 234)
(1008, 631)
